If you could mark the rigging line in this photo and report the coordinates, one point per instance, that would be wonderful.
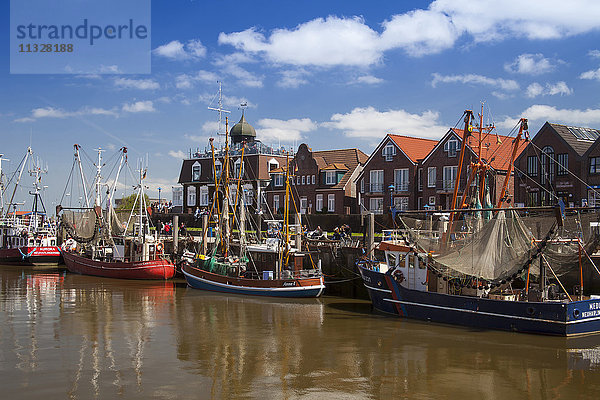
(537, 183)
(556, 277)
(67, 184)
(569, 171)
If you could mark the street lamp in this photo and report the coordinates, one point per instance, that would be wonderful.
(391, 189)
(159, 189)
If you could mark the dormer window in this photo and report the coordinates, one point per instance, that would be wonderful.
(273, 164)
(196, 171)
(330, 177)
(389, 151)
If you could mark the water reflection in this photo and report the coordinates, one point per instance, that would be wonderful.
(65, 335)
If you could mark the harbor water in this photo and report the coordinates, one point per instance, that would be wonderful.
(79, 337)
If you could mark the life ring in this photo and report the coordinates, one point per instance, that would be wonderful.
(398, 275)
(159, 248)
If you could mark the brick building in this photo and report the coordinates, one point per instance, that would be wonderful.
(390, 174)
(197, 175)
(556, 163)
(323, 181)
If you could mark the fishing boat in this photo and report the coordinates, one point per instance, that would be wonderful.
(98, 244)
(478, 269)
(280, 271)
(27, 237)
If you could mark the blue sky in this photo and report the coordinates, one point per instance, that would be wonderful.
(332, 74)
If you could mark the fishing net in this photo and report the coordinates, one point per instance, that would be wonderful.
(80, 225)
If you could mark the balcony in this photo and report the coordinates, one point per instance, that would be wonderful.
(375, 187)
(448, 185)
(401, 187)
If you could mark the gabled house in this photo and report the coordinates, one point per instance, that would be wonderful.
(556, 163)
(440, 167)
(322, 181)
(391, 174)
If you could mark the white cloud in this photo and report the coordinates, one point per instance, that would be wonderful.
(368, 80)
(589, 117)
(530, 64)
(550, 89)
(139, 106)
(368, 122)
(109, 69)
(284, 130)
(293, 78)
(230, 65)
(141, 84)
(186, 81)
(210, 127)
(228, 101)
(594, 53)
(175, 50)
(52, 112)
(592, 74)
(349, 41)
(503, 84)
(178, 154)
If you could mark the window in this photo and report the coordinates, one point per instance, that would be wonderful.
(594, 165)
(330, 178)
(376, 205)
(389, 151)
(319, 203)
(303, 180)
(362, 185)
(451, 147)
(376, 181)
(313, 179)
(593, 198)
(238, 169)
(248, 195)
(303, 205)
(420, 179)
(196, 172)
(298, 180)
(218, 168)
(278, 179)
(273, 164)
(204, 195)
(401, 180)
(191, 196)
(419, 202)
(432, 200)
(563, 164)
(401, 203)
(532, 199)
(532, 166)
(547, 164)
(178, 196)
(450, 174)
(331, 203)
(431, 177)
(275, 203)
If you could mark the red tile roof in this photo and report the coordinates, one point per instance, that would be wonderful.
(415, 148)
(495, 149)
(336, 167)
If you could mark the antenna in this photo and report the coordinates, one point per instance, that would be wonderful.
(220, 110)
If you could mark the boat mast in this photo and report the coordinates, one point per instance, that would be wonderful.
(522, 127)
(23, 163)
(2, 187)
(98, 179)
(83, 184)
(226, 189)
(111, 193)
(37, 199)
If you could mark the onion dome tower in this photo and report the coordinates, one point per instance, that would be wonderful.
(242, 132)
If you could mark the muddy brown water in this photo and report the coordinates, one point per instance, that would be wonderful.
(78, 337)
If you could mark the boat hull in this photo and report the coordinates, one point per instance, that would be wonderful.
(154, 269)
(301, 287)
(549, 318)
(31, 256)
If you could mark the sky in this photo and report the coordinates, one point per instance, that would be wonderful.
(332, 74)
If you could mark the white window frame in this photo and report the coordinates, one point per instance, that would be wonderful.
(276, 204)
(273, 164)
(177, 194)
(331, 202)
(304, 179)
(236, 168)
(388, 152)
(376, 181)
(376, 205)
(319, 203)
(451, 147)
(450, 173)
(431, 176)
(303, 204)
(203, 196)
(196, 176)
(248, 195)
(330, 177)
(313, 180)
(218, 168)
(401, 179)
(278, 180)
(431, 201)
(401, 203)
(191, 196)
